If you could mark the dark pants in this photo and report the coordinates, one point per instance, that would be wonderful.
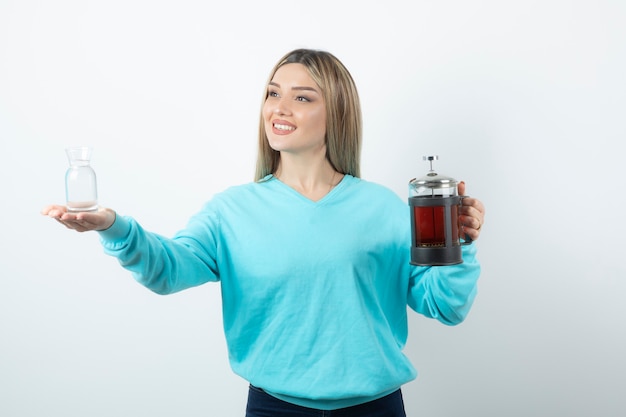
(261, 404)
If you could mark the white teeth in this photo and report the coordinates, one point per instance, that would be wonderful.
(284, 127)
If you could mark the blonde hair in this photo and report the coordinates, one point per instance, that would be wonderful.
(343, 113)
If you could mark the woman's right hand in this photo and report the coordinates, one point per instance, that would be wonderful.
(82, 221)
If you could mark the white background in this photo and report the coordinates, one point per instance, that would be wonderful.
(524, 100)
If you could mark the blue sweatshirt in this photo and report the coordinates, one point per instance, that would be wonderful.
(314, 294)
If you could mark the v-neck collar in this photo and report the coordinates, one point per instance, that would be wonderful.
(302, 197)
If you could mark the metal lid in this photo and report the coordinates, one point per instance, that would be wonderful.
(432, 179)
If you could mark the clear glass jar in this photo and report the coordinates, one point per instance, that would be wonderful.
(81, 193)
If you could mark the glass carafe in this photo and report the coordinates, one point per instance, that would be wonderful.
(435, 228)
(81, 193)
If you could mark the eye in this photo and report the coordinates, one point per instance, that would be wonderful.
(303, 99)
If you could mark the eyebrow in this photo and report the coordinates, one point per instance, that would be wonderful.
(302, 88)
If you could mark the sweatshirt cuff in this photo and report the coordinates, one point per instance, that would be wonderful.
(469, 250)
(119, 230)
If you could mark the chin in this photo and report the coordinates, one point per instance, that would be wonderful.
(277, 144)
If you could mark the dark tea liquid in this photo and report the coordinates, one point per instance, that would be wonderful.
(430, 229)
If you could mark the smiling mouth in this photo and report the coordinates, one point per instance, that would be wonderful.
(283, 127)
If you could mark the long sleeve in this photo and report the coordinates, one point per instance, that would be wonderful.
(163, 265)
(445, 293)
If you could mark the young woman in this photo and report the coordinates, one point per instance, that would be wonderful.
(313, 260)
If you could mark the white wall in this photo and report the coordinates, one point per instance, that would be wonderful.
(524, 100)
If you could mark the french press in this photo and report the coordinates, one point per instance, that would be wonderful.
(435, 204)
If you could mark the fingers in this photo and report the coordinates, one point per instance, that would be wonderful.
(54, 210)
(74, 221)
(473, 207)
(472, 216)
(461, 187)
(472, 228)
(77, 225)
(81, 221)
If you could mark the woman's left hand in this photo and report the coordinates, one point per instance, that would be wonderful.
(472, 216)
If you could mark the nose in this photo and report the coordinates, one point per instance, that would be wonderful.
(281, 107)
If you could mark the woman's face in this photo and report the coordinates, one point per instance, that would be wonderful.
(294, 112)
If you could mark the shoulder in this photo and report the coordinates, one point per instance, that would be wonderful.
(377, 204)
(238, 196)
(228, 202)
(373, 189)
(249, 189)
(238, 190)
(364, 195)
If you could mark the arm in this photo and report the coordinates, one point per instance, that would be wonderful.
(445, 293)
(161, 264)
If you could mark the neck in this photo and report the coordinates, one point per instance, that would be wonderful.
(313, 180)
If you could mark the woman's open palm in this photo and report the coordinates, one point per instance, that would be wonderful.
(82, 221)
